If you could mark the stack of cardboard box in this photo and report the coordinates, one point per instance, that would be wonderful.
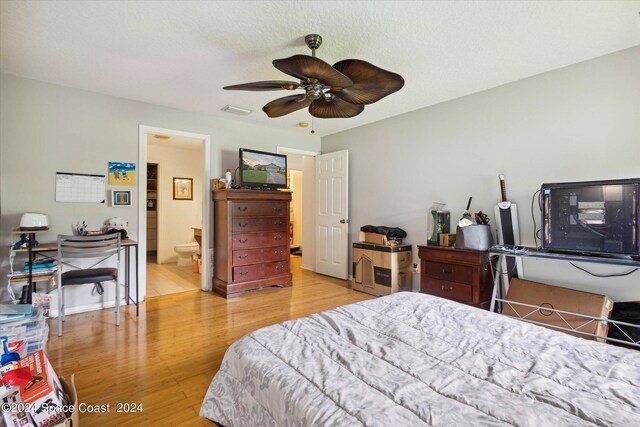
(381, 267)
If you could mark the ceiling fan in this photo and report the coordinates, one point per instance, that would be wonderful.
(337, 91)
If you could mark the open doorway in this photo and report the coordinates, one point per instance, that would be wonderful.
(301, 169)
(174, 211)
(174, 214)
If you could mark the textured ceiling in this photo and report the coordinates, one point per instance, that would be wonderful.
(180, 54)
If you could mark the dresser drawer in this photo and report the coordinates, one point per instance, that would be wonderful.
(242, 209)
(248, 272)
(446, 289)
(275, 268)
(258, 240)
(244, 224)
(450, 272)
(276, 253)
(247, 256)
(253, 256)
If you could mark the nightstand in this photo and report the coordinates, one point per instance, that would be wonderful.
(461, 275)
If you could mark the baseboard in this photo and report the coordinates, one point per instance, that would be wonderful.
(306, 267)
(53, 312)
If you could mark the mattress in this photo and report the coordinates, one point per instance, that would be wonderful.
(411, 359)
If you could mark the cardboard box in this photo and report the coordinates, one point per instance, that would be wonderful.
(376, 239)
(373, 238)
(540, 294)
(447, 239)
(71, 397)
(381, 270)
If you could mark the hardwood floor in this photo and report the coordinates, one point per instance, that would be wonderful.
(166, 358)
(165, 279)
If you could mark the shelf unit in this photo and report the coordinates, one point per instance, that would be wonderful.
(498, 301)
(30, 279)
(152, 207)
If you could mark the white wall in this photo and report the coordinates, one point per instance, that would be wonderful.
(176, 217)
(46, 128)
(577, 123)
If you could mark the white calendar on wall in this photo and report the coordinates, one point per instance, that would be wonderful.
(78, 187)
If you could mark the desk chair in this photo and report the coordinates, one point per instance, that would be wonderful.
(72, 247)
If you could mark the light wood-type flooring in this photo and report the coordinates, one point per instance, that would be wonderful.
(166, 358)
(165, 279)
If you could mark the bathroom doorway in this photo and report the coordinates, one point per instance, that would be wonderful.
(301, 181)
(174, 213)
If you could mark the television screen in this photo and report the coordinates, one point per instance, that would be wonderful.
(259, 169)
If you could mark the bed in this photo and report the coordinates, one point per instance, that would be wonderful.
(411, 359)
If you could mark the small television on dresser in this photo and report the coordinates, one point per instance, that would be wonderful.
(262, 170)
(592, 218)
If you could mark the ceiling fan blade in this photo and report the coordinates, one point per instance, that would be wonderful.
(288, 104)
(334, 109)
(307, 67)
(265, 85)
(370, 83)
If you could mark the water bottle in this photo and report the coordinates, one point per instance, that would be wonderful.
(227, 178)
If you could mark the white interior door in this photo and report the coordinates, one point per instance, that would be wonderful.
(332, 214)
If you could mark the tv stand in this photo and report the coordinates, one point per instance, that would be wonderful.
(251, 240)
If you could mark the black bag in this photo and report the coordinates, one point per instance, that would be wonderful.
(392, 233)
(628, 312)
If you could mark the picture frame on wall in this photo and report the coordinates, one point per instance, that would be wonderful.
(122, 173)
(120, 198)
(182, 188)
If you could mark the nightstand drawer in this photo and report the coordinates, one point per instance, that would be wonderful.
(446, 289)
(450, 272)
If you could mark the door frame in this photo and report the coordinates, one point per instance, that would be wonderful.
(308, 240)
(143, 131)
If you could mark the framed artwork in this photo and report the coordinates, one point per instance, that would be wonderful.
(121, 173)
(120, 198)
(182, 188)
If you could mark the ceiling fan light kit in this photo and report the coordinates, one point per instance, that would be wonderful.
(338, 91)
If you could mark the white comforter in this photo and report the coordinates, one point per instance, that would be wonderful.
(411, 359)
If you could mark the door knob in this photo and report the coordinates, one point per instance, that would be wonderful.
(344, 221)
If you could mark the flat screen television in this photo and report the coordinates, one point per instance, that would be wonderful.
(259, 169)
(593, 217)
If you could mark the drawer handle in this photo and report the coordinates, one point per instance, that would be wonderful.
(446, 288)
(240, 224)
(245, 256)
(277, 237)
(243, 240)
(279, 222)
(280, 267)
(242, 208)
(447, 271)
(277, 209)
(278, 252)
(243, 273)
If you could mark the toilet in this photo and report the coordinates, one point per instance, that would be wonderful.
(185, 253)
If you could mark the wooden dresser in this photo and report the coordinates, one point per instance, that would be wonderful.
(457, 274)
(251, 240)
